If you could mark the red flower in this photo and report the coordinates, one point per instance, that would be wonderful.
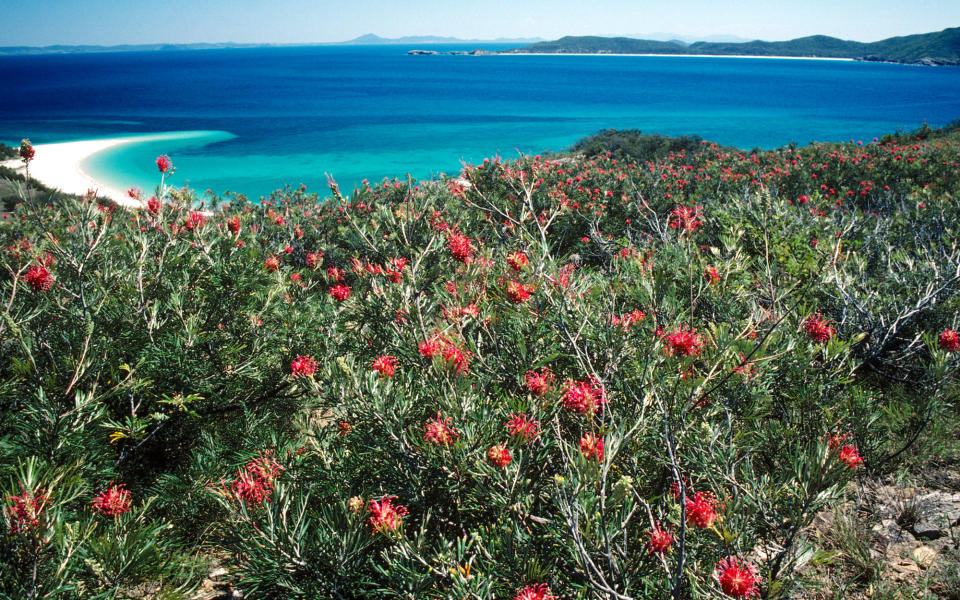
(456, 357)
(460, 247)
(163, 163)
(584, 397)
(153, 205)
(314, 258)
(113, 501)
(438, 431)
(499, 455)
(385, 517)
(590, 445)
(522, 427)
(344, 427)
(539, 383)
(517, 261)
(686, 219)
(271, 264)
(303, 366)
(39, 278)
(429, 348)
(537, 591)
(711, 274)
(335, 274)
(818, 329)
(702, 509)
(385, 365)
(194, 220)
(518, 292)
(233, 224)
(683, 341)
(661, 540)
(949, 340)
(26, 510)
(340, 292)
(253, 484)
(737, 577)
(850, 456)
(26, 150)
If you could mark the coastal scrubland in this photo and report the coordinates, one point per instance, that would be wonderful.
(643, 369)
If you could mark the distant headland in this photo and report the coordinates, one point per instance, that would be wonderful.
(937, 48)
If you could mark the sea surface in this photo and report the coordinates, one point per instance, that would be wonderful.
(291, 115)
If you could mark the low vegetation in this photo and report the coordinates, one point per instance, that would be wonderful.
(634, 376)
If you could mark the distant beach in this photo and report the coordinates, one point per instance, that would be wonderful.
(61, 165)
(671, 55)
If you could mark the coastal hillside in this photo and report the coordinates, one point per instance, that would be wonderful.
(648, 368)
(938, 48)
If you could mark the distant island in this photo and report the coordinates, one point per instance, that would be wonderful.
(937, 48)
(363, 40)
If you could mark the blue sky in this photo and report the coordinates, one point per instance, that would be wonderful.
(43, 22)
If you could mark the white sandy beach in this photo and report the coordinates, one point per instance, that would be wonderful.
(59, 165)
(671, 55)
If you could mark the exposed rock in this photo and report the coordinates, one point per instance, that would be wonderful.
(925, 556)
(936, 512)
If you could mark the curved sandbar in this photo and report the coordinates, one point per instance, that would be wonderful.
(60, 165)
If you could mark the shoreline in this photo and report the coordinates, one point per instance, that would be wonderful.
(674, 55)
(59, 165)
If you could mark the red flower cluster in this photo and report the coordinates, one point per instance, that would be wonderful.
(634, 316)
(710, 273)
(684, 341)
(385, 365)
(253, 484)
(818, 329)
(850, 456)
(456, 357)
(26, 510)
(303, 365)
(518, 292)
(113, 501)
(385, 517)
(194, 220)
(591, 446)
(439, 432)
(429, 348)
(737, 577)
(686, 219)
(517, 261)
(539, 382)
(702, 509)
(949, 340)
(499, 455)
(585, 396)
(233, 225)
(522, 427)
(537, 591)
(27, 151)
(39, 278)
(661, 540)
(340, 292)
(271, 264)
(153, 205)
(163, 163)
(460, 248)
(314, 258)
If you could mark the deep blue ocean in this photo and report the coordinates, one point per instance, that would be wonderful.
(290, 115)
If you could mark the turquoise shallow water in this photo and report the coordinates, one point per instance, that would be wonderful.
(291, 115)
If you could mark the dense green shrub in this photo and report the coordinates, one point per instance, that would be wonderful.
(537, 374)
